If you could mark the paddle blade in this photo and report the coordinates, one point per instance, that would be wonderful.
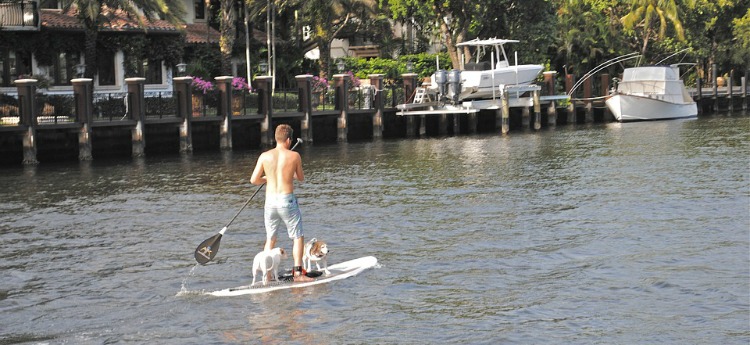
(207, 250)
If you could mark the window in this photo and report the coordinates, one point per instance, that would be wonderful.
(64, 68)
(106, 67)
(200, 9)
(13, 64)
(151, 70)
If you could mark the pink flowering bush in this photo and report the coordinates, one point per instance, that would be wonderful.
(355, 82)
(204, 86)
(240, 84)
(319, 84)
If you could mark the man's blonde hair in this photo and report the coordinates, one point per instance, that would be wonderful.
(283, 132)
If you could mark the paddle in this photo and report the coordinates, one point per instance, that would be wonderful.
(207, 250)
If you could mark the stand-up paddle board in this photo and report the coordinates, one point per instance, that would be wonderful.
(338, 271)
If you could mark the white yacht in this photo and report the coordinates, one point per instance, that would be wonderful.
(651, 93)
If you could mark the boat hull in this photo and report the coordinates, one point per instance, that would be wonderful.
(629, 108)
(480, 84)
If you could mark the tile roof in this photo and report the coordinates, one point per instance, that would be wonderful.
(119, 22)
(200, 33)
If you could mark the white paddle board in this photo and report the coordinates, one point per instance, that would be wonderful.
(338, 271)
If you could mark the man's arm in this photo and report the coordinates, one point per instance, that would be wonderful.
(258, 178)
(298, 173)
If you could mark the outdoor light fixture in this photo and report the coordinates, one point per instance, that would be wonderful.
(80, 70)
(340, 65)
(409, 66)
(263, 68)
(181, 68)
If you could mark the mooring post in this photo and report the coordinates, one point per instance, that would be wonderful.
(569, 81)
(730, 91)
(304, 86)
(505, 111)
(184, 95)
(744, 89)
(341, 82)
(549, 81)
(82, 88)
(604, 92)
(537, 111)
(265, 108)
(410, 87)
(224, 84)
(27, 104)
(714, 79)
(137, 112)
(588, 103)
(699, 96)
(376, 81)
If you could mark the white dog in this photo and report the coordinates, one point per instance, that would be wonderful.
(315, 251)
(268, 261)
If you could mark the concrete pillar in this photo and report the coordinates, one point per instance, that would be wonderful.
(473, 122)
(28, 112)
(224, 84)
(137, 112)
(341, 82)
(304, 87)
(376, 80)
(83, 90)
(184, 94)
(422, 125)
(265, 105)
(443, 125)
(525, 117)
(457, 124)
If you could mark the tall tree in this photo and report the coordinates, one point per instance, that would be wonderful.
(95, 13)
(227, 32)
(328, 17)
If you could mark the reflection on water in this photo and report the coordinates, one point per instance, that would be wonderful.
(621, 233)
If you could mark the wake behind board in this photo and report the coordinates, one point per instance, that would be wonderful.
(338, 271)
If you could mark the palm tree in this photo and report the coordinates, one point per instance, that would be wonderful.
(94, 13)
(227, 32)
(646, 13)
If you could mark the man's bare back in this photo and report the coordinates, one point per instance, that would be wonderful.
(278, 168)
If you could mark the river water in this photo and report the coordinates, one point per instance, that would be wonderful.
(605, 233)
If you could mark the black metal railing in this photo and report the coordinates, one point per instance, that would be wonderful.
(22, 14)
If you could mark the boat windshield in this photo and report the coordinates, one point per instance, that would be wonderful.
(498, 58)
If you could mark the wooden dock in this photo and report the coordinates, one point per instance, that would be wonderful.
(35, 133)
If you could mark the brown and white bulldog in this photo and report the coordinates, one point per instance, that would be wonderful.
(315, 251)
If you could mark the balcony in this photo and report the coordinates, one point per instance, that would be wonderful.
(17, 16)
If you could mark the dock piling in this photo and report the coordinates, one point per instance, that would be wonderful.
(341, 81)
(137, 108)
(224, 84)
(537, 111)
(265, 97)
(26, 102)
(376, 80)
(82, 88)
(184, 90)
(569, 81)
(304, 85)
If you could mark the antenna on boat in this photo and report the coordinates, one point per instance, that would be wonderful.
(668, 57)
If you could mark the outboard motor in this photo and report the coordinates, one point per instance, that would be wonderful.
(441, 79)
(454, 85)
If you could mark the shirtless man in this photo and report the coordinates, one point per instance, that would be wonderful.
(278, 168)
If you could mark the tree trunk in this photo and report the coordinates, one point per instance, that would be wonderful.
(325, 57)
(89, 54)
(227, 29)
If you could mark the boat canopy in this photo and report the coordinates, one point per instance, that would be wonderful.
(651, 73)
